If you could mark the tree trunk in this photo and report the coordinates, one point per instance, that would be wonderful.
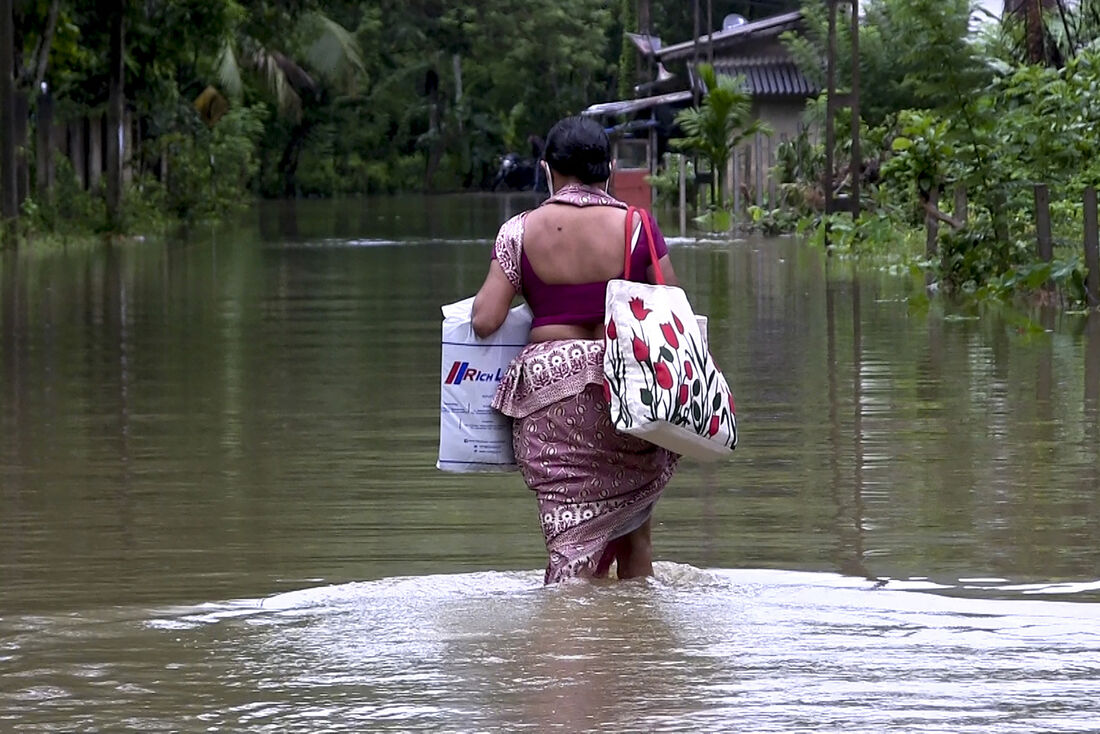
(8, 202)
(115, 104)
(76, 150)
(43, 148)
(22, 150)
(288, 163)
(95, 151)
(1034, 30)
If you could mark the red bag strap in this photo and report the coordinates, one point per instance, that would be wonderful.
(657, 274)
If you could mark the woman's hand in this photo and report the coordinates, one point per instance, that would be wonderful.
(492, 301)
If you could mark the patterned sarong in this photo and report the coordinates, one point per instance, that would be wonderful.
(593, 483)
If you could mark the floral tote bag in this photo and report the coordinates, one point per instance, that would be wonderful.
(662, 383)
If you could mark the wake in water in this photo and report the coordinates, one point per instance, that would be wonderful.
(689, 649)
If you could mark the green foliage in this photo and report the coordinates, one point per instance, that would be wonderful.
(897, 75)
(975, 118)
(666, 182)
(773, 221)
(70, 210)
(208, 170)
(874, 233)
(922, 151)
(719, 124)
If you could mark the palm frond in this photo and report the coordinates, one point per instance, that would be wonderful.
(334, 53)
(229, 71)
(272, 66)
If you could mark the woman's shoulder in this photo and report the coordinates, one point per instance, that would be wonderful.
(510, 233)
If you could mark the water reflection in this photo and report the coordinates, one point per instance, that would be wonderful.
(1092, 367)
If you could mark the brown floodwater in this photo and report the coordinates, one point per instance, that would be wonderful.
(219, 509)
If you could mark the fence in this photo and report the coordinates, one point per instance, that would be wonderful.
(749, 180)
(83, 140)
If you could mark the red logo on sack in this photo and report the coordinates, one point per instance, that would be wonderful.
(462, 371)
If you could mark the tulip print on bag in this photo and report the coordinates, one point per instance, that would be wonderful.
(662, 382)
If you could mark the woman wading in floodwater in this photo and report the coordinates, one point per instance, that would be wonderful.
(596, 487)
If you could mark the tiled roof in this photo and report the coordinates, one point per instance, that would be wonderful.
(768, 76)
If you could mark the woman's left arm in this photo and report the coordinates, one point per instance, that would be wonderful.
(492, 301)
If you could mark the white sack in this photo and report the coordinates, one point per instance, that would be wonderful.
(472, 436)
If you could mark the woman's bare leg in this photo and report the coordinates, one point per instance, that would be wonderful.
(634, 556)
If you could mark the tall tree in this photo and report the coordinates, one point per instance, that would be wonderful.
(116, 101)
(8, 192)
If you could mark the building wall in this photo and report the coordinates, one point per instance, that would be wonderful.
(784, 116)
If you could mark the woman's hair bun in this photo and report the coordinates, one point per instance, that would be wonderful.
(578, 147)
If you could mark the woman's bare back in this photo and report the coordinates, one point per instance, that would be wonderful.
(569, 244)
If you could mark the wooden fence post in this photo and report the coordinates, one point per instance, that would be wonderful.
(932, 225)
(1092, 249)
(731, 174)
(770, 157)
(758, 161)
(683, 195)
(735, 181)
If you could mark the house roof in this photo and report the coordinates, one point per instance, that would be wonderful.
(767, 76)
(629, 106)
(757, 29)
